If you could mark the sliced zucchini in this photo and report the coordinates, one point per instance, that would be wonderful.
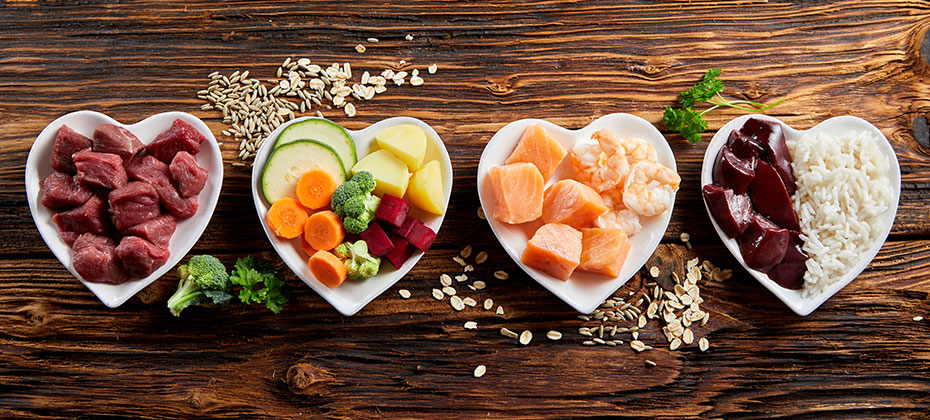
(324, 131)
(290, 161)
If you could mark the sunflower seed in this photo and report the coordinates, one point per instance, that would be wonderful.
(507, 333)
(404, 293)
(588, 343)
(554, 335)
(471, 325)
(918, 318)
(650, 363)
(480, 371)
(525, 337)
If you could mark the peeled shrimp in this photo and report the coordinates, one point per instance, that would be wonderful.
(638, 149)
(650, 188)
(618, 216)
(600, 162)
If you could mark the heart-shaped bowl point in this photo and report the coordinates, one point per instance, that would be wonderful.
(188, 230)
(352, 295)
(795, 299)
(583, 291)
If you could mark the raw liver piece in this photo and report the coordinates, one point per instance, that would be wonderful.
(770, 197)
(140, 257)
(603, 251)
(554, 249)
(89, 218)
(95, 260)
(745, 147)
(147, 168)
(763, 245)
(179, 137)
(189, 176)
(733, 172)
(772, 138)
(67, 143)
(61, 192)
(132, 204)
(103, 170)
(518, 192)
(732, 212)
(789, 275)
(795, 251)
(157, 231)
(572, 203)
(109, 138)
(536, 146)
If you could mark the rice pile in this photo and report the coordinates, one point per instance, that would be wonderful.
(843, 190)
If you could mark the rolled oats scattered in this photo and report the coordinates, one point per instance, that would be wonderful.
(525, 337)
(554, 335)
(404, 293)
(480, 371)
(471, 325)
(507, 333)
(438, 294)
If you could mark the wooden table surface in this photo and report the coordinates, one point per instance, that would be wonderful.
(861, 355)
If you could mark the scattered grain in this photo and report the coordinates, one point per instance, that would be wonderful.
(488, 304)
(525, 337)
(448, 290)
(637, 345)
(470, 302)
(479, 284)
(650, 363)
(501, 275)
(481, 257)
(432, 69)
(654, 271)
(457, 303)
(438, 294)
(480, 371)
(404, 293)
(554, 335)
(500, 310)
(360, 48)
(481, 214)
(507, 333)
(468, 268)
(471, 325)
(445, 279)
(703, 344)
(409, 37)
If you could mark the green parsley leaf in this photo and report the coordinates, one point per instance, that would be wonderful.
(707, 88)
(685, 121)
(259, 283)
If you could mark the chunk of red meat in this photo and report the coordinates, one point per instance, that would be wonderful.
(189, 176)
(147, 168)
(157, 231)
(96, 261)
(89, 218)
(61, 192)
(172, 201)
(67, 143)
(140, 257)
(132, 204)
(104, 170)
(109, 138)
(181, 136)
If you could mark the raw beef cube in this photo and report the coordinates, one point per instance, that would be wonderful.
(67, 143)
(421, 236)
(140, 257)
(172, 201)
(132, 204)
(392, 210)
(157, 231)
(61, 192)
(377, 241)
(399, 253)
(89, 218)
(95, 260)
(103, 170)
(69, 237)
(180, 137)
(109, 138)
(189, 176)
(147, 168)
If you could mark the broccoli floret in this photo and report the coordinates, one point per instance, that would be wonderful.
(354, 204)
(358, 262)
(204, 281)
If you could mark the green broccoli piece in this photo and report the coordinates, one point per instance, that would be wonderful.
(354, 204)
(358, 262)
(204, 281)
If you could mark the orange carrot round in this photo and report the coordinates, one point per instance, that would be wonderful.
(306, 247)
(315, 189)
(323, 230)
(327, 268)
(287, 218)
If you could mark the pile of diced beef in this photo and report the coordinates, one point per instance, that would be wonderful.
(118, 201)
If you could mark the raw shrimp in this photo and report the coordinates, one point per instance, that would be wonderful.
(600, 162)
(650, 188)
(618, 217)
(638, 149)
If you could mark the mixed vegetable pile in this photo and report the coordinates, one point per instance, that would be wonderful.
(205, 282)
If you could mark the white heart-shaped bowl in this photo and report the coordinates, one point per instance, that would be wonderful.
(38, 166)
(352, 295)
(583, 291)
(794, 298)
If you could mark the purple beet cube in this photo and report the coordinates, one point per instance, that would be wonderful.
(421, 236)
(392, 210)
(404, 229)
(399, 254)
(378, 241)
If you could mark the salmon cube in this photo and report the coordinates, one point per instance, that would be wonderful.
(554, 249)
(518, 192)
(603, 251)
(536, 146)
(572, 203)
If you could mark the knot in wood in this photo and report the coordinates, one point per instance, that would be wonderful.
(307, 379)
(35, 316)
(195, 400)
(648, 69)
(498, 89)
(754, 92)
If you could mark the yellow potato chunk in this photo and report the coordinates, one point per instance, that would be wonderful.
(426, 190)
(390, 173)
(406, 141)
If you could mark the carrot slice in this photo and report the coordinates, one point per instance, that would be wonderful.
(327, 268)
(306, 247)
(315, 189)
(323, 230)
(287, 218)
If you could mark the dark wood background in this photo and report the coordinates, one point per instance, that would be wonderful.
(65, 355)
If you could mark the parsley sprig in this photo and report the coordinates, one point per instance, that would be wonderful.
(259, 282)
(690, 123)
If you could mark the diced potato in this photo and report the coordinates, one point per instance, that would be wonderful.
(426, 190)
(390, 173)
(406, 141)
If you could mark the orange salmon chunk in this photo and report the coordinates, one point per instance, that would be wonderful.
(603, 251)
(572, 203)
(518, 192)
(536, 146)
(555, 249)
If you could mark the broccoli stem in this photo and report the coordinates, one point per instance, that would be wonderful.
(187, 291)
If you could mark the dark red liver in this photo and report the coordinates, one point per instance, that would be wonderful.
(733, 172)
(763, 244)
(772, 138)
(731, 212)
(770, 197)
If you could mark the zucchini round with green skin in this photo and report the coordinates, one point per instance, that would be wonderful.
(324, 131)
(290, 161)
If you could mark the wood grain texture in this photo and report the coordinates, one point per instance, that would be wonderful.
(64, 355)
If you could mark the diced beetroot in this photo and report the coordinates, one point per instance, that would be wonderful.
(421, 236)
(181, 136)
(378, 241)
(404, 229)
(399, 254)
(67, 143)
(392, 210)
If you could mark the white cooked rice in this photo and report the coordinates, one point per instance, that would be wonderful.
(843, 190)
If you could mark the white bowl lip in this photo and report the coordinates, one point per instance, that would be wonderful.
(793, 298)
(46, 138)
(261, 207)
(666, 156)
